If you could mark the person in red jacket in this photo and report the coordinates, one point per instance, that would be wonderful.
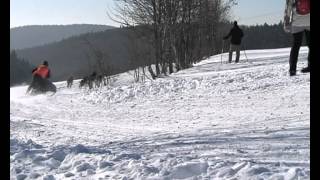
(42, 70)
(40, 80)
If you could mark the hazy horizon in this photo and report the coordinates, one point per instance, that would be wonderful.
(60, 25)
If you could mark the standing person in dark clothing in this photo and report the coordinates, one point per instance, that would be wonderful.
(40, 81)
(297, 22)
(236, 36)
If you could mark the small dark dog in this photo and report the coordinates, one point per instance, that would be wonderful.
(69, 82)
(83, 82)
(89, 80)
(98, 81)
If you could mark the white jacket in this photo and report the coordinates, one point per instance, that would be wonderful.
(294, 22)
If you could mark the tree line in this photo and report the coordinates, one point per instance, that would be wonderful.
(181, 32)
(266, 37)
(20, 70)
(185, 32)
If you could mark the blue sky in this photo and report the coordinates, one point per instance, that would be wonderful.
(31, 12)
(250, 12)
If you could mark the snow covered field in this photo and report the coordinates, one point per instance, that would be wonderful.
(213, 121)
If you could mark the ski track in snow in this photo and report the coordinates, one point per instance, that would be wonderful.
(213, 121)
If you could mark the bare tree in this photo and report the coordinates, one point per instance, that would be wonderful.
(101, 66)
(183, 30)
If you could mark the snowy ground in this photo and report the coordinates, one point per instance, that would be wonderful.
(213, 121)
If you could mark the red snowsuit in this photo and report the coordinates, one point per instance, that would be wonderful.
(42, 71)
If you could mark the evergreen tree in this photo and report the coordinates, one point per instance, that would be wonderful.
(20, 70)
(266, 37)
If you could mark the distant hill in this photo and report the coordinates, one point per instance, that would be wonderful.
(74, 56)
(36, 35)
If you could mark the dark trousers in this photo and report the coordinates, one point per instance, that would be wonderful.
(297, 41)
(39, 84)
(36, 84)
(234, 47)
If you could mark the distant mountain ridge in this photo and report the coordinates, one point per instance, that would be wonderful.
(38, 35)
(73, 56)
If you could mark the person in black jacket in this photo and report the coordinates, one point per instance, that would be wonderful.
(236, 36)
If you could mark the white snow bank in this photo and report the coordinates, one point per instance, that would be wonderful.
(213, 121)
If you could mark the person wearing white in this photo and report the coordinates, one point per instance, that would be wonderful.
(297, 22)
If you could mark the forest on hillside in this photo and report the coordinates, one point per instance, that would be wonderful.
(124, 49)
(20, 70)
(266, 37)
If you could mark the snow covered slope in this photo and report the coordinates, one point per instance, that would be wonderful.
(214, 121)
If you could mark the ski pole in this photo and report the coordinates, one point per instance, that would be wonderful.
(245, 54)
(222, 50)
